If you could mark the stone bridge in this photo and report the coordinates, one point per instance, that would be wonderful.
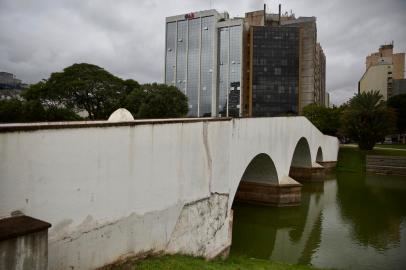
(117, 189)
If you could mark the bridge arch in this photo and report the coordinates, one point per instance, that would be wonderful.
(260, 172)
(319, 156)
(261, 169)
(302, 156)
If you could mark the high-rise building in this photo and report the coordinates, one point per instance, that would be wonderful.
(260, 65)
(320, 76)
(203, 59)
(301, 64)
(274, 70)
(382, 68)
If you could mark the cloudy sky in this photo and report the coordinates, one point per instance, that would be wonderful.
(126, 37)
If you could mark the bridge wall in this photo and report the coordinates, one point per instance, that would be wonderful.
(112, 191)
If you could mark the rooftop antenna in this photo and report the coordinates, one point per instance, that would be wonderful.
(279, 14)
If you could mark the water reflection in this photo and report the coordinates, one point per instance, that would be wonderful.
(356, 221)
(375, 208)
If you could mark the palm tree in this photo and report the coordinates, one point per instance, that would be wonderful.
(367, 119)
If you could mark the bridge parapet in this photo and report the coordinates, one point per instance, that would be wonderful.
(114, 189)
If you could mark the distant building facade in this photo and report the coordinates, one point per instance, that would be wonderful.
(9, 81)
(259, 65)
(382, 69)
(10, 86)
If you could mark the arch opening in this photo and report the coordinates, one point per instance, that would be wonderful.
(301, 156)
(258, 178)
(261, 169)
(319, 156)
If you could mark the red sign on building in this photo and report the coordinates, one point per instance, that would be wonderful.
(190, 16)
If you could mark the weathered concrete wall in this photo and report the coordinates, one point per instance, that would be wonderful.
(202, 228)
(119, 189)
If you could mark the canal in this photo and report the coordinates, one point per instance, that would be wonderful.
(349, 221)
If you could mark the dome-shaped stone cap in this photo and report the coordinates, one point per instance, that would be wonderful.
(121, 115)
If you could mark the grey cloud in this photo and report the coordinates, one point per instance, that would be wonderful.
(127, 37)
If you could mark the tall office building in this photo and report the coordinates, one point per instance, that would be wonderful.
(302, 64)
(383, 69)
(203, 59)
(274, 70)
(260, 65)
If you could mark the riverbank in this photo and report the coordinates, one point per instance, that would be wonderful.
(190, 263)
(352, 159)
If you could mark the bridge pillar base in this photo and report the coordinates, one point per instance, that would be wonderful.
(279, 195)
(316, 173)
(329, 166)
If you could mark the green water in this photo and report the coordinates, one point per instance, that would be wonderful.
(350, 221)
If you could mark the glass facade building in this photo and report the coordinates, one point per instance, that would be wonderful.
(203, 59)
(275, 70)
(189, 58)
(230, 80)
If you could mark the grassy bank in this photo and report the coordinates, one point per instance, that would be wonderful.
(393, 146)
(178, 262)
(352, 159)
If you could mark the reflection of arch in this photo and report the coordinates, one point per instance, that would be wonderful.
(301, 155)
(319, 157)
(261, 169)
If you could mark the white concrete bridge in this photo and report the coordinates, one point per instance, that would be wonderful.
(112, 190)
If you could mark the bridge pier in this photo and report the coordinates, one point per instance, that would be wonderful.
(316, 173)
(280, 195)
(329, 166)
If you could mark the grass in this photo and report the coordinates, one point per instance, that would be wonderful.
(178, 262)
(394, 146)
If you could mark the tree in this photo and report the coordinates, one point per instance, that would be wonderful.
(11, 111)
(81, 87)
(398, 103)
(327, 120)
(86, 87)
(367, 120)
(157, 101)
(17, 111)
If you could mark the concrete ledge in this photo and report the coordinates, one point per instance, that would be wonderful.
(386, 165)
(20, 127)
(20, 225)
(311, 174)
(279, 195)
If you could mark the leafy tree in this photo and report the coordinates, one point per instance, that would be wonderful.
(327, 120)
(92, 89)
(61, 114)
(157, 101)
(17, 111)
(11, 111)
(33, 111)
(398, 103)
(81, 87)
(367, 120)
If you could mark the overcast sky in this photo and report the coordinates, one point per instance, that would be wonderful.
(126, 37)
